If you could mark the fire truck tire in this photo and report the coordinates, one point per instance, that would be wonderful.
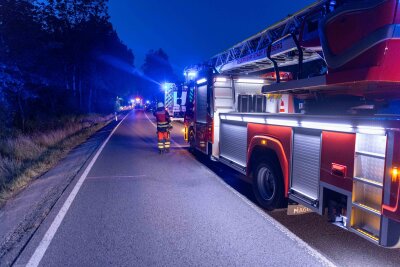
(268, 186)
(192, 141)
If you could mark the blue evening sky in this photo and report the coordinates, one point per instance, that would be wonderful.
(193, 30)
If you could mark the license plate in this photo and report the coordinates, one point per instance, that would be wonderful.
(297, 210)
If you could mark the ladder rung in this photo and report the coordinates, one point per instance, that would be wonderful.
(366, 233)
(367, 208)
(371, 154)
(368, 182)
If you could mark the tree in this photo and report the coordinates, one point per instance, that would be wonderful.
(51, 60)
(20, 53)
(157, 70)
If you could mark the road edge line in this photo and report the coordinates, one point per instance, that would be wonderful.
(41, 249)
(311, 251)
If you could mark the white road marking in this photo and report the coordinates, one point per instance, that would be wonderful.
(155, 125)
(313, 252)
(48, 237)
(115, 176)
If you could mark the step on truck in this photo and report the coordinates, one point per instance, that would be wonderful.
(308, 111)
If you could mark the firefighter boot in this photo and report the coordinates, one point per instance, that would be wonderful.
(160, 147)
(167, 145)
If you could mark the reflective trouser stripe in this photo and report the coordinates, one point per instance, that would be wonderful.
(167, 144)
(161, 145)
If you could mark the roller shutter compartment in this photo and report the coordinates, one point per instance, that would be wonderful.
(233, 142)
(201, 104)
(306, 162)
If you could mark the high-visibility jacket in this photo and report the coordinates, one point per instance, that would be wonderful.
(163, 120)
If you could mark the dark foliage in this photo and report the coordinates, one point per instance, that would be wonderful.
(157, 70)
(59, 57)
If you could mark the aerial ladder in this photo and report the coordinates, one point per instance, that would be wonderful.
(293, 40)
(319, 42)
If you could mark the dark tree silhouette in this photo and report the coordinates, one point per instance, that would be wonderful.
(157, 69)
(52, 61)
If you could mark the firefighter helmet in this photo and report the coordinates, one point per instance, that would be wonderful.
(160, 105)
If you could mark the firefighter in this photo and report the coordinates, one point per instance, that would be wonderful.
(163, 127)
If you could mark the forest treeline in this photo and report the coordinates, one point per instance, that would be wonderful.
(60, 57)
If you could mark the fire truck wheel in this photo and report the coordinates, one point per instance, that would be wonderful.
(268, 186)
(192, 141)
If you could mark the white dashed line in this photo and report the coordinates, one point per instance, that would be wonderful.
(115, 176)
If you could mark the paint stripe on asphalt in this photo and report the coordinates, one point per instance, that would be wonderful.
(115, 177)
(48, 237)
(313, 252)
(150, 120)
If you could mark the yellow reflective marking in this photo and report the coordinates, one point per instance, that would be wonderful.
(367, 234)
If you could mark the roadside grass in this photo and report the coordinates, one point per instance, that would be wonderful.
(24, 158)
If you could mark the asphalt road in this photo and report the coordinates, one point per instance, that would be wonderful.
(139, 208)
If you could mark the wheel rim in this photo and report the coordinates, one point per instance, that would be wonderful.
(266, 183)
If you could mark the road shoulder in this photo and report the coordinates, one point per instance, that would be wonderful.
(21, 216)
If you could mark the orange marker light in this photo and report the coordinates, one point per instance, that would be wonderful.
(395, 172)
(263, 142)
(185, 134)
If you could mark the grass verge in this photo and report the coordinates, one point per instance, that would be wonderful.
(24, 158)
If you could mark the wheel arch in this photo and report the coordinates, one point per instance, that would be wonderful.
(272, 149)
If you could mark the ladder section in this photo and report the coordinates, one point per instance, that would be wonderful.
(369, 169)
(169, 97)
(278, 44)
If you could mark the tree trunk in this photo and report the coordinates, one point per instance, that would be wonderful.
(66, 76)
(74, 80)
(21, 110)
(80, 95)
(95, 99)
(90, 99)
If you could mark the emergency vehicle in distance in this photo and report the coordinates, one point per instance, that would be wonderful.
(174, 99)
(308, 110)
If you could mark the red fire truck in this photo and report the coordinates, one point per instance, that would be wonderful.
(326, 132)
